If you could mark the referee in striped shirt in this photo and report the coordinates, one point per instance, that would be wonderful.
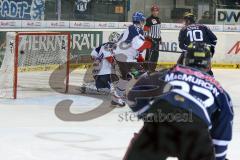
(153, 33)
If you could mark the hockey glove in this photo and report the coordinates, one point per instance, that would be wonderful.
(135, 73)
(140, 58)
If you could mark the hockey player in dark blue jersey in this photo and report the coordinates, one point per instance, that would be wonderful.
(186, 112)
(193, 32)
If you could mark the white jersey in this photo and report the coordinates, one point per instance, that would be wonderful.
(131, 40)
(100, 54)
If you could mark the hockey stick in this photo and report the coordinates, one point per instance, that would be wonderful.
(160, 50)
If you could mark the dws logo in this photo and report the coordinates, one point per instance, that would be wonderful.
(228, 16)
(235, 49)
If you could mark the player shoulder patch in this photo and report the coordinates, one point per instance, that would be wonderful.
(154, 21)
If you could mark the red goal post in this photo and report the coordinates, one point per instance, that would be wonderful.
(17, 39)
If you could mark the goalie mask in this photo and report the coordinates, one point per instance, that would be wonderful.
(114, 37)
(198, 56)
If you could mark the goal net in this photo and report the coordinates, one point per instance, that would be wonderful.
(30, 60)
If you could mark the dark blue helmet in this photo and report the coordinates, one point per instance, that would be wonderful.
(138, 17)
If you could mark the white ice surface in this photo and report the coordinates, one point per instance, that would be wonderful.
(29, 129)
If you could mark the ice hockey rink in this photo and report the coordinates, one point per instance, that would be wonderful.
(30, 129)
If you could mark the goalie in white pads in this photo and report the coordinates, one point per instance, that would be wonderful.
(102, 67)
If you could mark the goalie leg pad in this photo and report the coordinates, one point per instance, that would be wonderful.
(103, 81)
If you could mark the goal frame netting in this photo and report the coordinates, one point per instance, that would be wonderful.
(16, 56)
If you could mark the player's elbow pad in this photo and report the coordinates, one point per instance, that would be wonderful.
(147, 44)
